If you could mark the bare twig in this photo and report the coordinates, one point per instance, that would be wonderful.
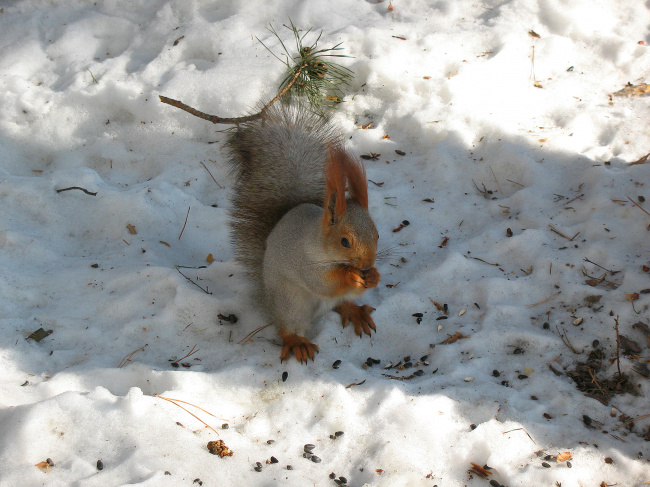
(127, 359)
(565, 340)
(632, 420)
(553, 229)
(80, 189)
(176, 401)
(252, 334)
(618, 348)
(496, 180)
(204, 290)
(542, 302)
(183, 229)
(191, 352)
(637, 205)
(206, 168)
(233, 120)
(598, 265)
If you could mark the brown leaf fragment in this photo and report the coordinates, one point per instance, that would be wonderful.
(643, 160)
(386, 136)
(632, 296)
(480, 471)
(438, 306)
(537, 84)
(165, 243)
(43, 466)
(443, 243)
(355, 384)
(218, 447)
(534, 34)
(366, 126)
(131, 229)
(39, 334)
(453, 338)
(634, 90)
(209, 259)
(563, 457)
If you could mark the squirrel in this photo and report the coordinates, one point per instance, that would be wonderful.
(306, 246)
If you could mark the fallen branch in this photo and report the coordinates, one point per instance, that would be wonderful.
(95, 194)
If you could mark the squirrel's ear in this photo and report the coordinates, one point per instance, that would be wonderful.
(335, 176)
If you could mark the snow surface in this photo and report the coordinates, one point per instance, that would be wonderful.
(451, 82)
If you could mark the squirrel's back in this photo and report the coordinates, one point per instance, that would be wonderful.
(278, 162)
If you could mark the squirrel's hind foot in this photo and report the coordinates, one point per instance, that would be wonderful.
(359, 315)
(302, 348)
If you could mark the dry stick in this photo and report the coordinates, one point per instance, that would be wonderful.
(206, 168)
(172, 401)
(252, 334)
(632, 421)
(496, 180)
(95, 194)
(553, 229)
(618, 348)
(127, 359)
(576, 198)
(235, 120)
(515, 182)
(192, 352)
(565, 340)
(542, 302)
(188, 214)
(634, 203)
(598, 265)
(517, 429)
(204, 290)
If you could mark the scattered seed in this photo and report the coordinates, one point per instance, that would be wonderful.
(577, 321)
(545, 465)
(441, 318)
(608, 460)
(376, 361)
(307, 455)
(369, 362)
(315, 459)
(198, 481)
(518, 351)
(332, 475)
(336, 364)
(440, 327)
(418, 373)
(595, 343)
(225, 426)
(343, 480)
(167, 472)
(494, 483)
(641, 199)
(309, 447)
(270, 442)
(568, 464)
(546, 325)
(469, 379)
(508, 232)
(407, 358)
(495, 373)
(339, 433)
(476, 304)
(417, 315)
(100, 465)
(274, 460)
(424, 357)
(258, 468)
(399, 152)
(586, 420)
(462, 312)
(472, 427)
(285, 375)
(49, 462)
(522, 376)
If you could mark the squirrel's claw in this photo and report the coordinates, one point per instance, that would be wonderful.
(359, 315)
(302, 348)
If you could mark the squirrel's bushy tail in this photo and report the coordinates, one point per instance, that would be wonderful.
(278, 162)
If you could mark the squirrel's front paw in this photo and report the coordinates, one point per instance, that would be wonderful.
(371, 277)
(359, 315)
(302, 348)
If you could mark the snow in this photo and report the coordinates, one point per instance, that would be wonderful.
(452, 84)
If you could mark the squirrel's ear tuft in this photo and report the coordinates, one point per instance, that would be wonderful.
(335, 177)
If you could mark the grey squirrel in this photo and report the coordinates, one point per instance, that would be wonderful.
(307, 247)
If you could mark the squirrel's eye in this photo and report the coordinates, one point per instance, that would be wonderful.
(345, 242)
